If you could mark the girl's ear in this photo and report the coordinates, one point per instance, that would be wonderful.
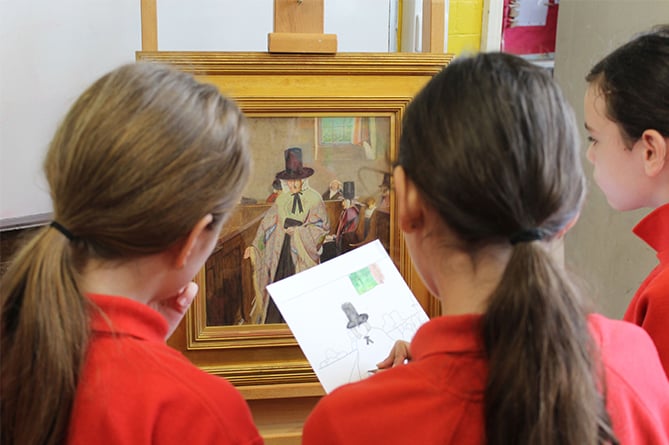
(192, 239)
(655, 152)
(410, 209)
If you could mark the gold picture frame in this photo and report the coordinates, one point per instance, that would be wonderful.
(276, 87)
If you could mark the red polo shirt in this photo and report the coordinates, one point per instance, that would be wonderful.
(438, 397)
(134, 389)
(650, 306)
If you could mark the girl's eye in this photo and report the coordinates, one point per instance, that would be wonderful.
(591, 140)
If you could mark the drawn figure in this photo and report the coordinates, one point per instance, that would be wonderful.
(276, 189)
(289, 237)
(334, 192)
(362, 343)
(354, 319)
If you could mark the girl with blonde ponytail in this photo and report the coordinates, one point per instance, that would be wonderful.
(143, 171)
(488, 174)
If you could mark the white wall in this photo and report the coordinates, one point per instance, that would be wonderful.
(51, 50)
(601, 247)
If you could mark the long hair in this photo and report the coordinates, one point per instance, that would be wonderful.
(142, 155)
(634, 79)
(493, 146)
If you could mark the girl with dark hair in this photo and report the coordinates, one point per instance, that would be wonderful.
(488, 174)
(627, 118)
(143, 171)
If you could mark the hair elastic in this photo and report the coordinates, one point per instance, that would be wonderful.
(525, 236)
(56, 225)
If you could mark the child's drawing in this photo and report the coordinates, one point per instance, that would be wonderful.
(347, 313)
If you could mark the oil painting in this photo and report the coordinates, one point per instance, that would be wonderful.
(321, 187)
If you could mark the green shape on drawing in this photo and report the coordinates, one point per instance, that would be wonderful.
(363, 280)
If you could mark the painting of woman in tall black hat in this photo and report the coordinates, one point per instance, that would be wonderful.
(289, 237)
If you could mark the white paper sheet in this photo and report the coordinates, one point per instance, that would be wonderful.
(347, 313)
(528, 12)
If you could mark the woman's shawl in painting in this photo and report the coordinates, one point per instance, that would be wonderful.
(305, 242)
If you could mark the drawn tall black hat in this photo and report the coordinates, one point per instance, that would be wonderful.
(349, 190)
(354, 319)
(294, 168)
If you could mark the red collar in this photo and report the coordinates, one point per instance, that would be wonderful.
(124, 316)
(654, 230)
(448, 334)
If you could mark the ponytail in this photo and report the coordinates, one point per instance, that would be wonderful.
(44, 331)
(515, 176)
(543, 382)
(119, 192)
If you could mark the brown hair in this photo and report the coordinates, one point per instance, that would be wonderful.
(494, 148)
(635, 81)
(143, 154)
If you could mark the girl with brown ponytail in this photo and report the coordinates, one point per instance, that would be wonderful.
(488, 174)
(143, 171)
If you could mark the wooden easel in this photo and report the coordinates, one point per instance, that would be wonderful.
(298, 27)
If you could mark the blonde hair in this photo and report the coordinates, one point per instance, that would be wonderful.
(142, 155)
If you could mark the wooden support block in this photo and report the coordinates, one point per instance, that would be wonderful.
(301, 42)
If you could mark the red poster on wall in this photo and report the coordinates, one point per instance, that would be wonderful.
(529, 26)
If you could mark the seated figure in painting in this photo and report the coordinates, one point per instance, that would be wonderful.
(384, 193)
(289, 237)
(276, 189)
(345, 235)
(333, 193)
(348, 220)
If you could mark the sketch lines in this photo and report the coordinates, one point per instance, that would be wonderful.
(347, 313)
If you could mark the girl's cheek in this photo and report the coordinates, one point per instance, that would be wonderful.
(590, 154)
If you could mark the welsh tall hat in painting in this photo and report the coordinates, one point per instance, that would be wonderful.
(349, 190)
(294, 168)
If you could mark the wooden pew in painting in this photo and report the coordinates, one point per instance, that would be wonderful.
(229, 278)
(378, 227)
(229, 287)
